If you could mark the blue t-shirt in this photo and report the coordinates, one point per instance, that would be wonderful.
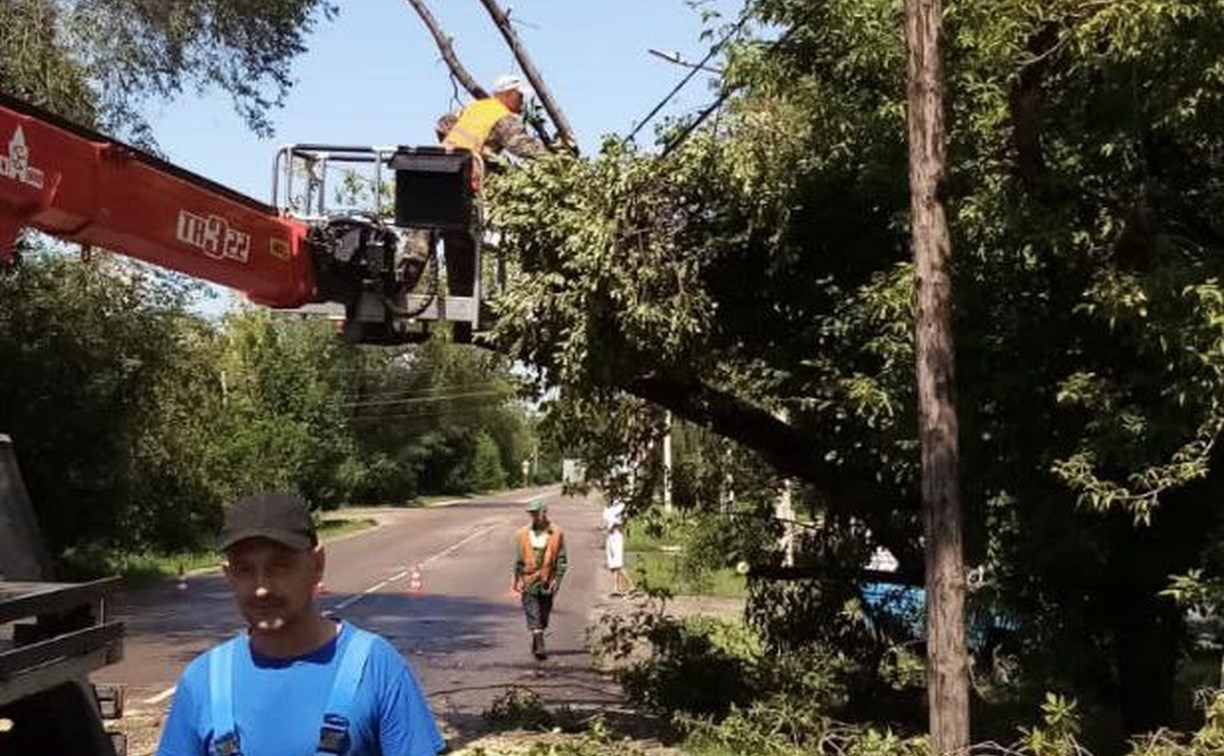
(279, 703)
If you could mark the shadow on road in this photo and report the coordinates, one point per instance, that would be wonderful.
(468, 651)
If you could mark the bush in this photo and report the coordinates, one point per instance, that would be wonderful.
(695, 665)
(699, 666)
(719, 541)
(791, 726)
(521, 709)
(705, 667)
(487, 471)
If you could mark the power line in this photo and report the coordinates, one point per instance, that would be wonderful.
(675, 58)
(431, 390)
(692, 125)
(423, 399)
(689, 76)
(425, 413)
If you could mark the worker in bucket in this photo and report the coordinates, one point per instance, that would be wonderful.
(487, 127)
(493, 125)
(294, 681)
(539, 566)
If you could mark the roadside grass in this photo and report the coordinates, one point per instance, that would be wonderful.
(659, 562)
(139, 568)
(433, 501)
(333, 527)
(638, 540)
(653, 571)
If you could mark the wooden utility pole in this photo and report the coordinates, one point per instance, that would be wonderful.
(947, 661)
(502, 20)
(667, 464)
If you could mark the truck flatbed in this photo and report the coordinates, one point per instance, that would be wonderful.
(59, 647)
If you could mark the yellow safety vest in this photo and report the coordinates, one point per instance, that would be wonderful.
(475, 124)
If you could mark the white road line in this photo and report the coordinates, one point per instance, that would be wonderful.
(154, 700)
(451, 548)
(404, 572)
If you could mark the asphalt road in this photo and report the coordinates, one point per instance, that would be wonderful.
(463, 633)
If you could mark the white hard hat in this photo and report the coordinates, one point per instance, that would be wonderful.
(511, 83)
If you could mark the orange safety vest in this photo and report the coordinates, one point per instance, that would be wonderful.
(542, 573)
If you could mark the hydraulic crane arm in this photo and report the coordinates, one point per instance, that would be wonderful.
(81, 186)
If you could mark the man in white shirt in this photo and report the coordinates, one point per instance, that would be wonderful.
(614, 547)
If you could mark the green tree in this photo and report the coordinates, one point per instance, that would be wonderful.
(286, 424)
(764, 263)
(85, 348)
(487, 471)
(98, 61)
(423, 411)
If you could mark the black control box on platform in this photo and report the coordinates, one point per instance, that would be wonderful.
(433, 188)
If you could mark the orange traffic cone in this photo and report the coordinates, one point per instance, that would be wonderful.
(414, 580)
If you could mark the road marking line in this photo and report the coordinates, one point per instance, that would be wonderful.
(154, 700)
(404, 572)
(449, 549)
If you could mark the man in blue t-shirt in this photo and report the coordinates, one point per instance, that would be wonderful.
(296, 682)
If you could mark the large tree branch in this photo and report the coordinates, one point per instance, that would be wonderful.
(452, 62)
(1024, 102)
(789, 450)
(537, 82)
(912, 579)
(793, 452)
(448, 50)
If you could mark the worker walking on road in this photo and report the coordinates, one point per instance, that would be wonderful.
(539, 566)
(294, 682)
(486, 127)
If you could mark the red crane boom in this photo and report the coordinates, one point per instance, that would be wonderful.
(81, 186)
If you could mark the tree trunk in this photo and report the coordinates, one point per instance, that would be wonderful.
(1147, 640)
(500, 18)
(947, 662)
(1149, 629)
(784, 512)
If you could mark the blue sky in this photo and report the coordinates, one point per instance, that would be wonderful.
(374, 76)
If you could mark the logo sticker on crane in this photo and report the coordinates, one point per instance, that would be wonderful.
(214, 237)
(16, 164)
(278, 248)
